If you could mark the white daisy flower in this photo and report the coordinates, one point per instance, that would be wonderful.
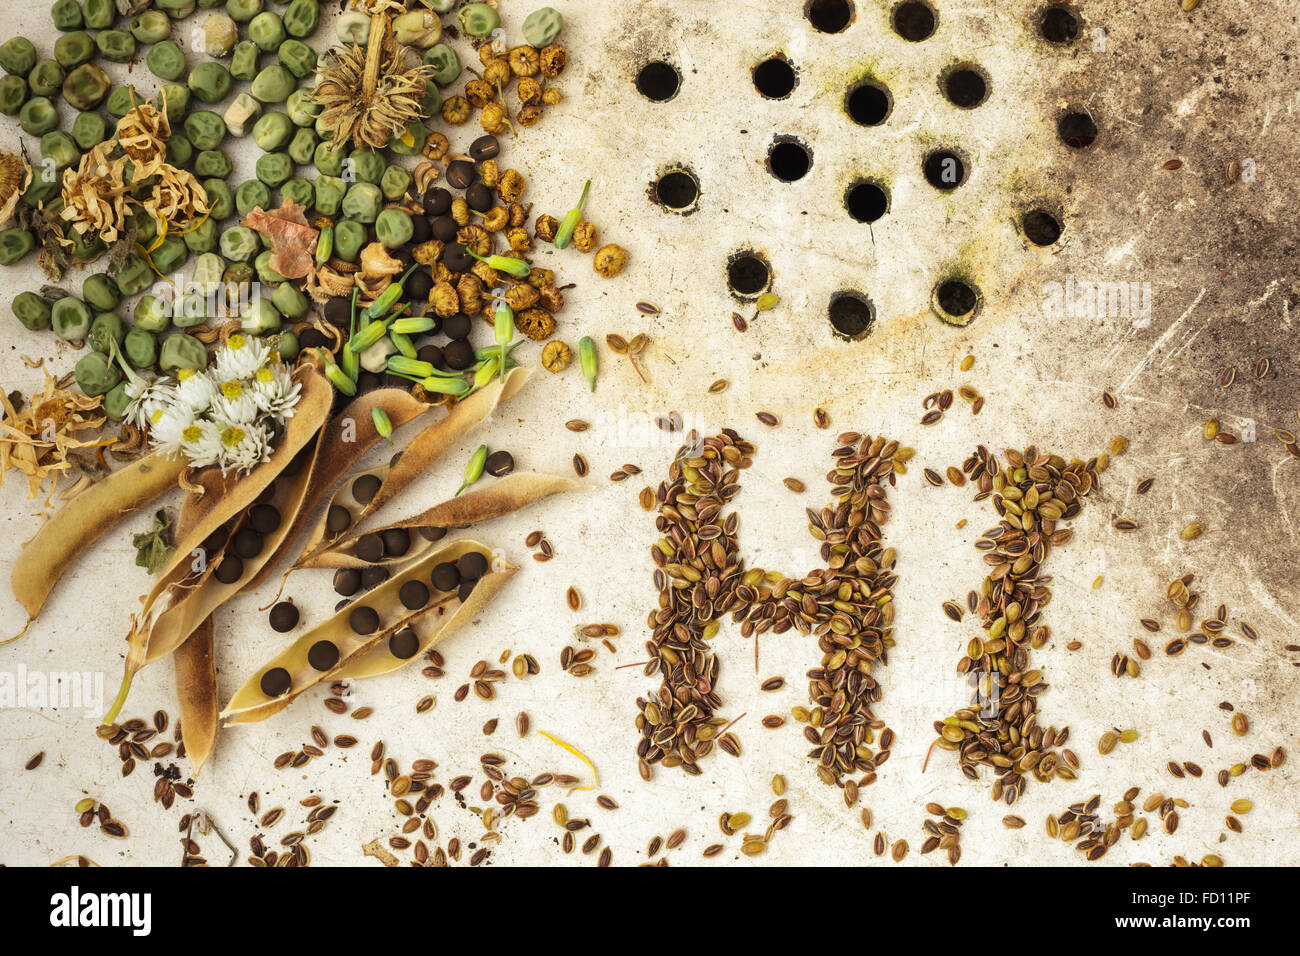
(149, 400)
(243, 445)
(236, 403)
(167, 427)
(201, 443)
(195, 390)
(274, 391)
(240, 358)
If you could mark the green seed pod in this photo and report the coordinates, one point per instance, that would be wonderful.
(457, 387)
(389, 297)
(140, 348)
(32, 311)
(273, 84)
(413, 326)
(152, 314)
(564, 234)
(243, 61)
(182, 351)
(14, 245)
(261, 317)
(18, 56)
(542, 26)
(152, 26)
(403, 344)
(474, 470)
(97, 374)
(73, 49)
(267, 31)
(107, 327)
(70, 319)
(409, 367)
(324, 245)
(383, 424)
(349, 239)
(507, 264)
(478, 19)
(587, 354)
(301, 18)
(336, 376)
(394, 228)
(211, 82)
(250, 195)
(116, 402)
(38, 116)
(367, 337)
(46, 78)
(445, 63)
(66, 15)
(13, 94)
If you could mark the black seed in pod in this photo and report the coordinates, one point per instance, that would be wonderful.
(444, 228)
(370, 548)
(499, 463)
(472, 565)
(312, 339)
(420, 232)
(338, 311)
(459, 355)
(457, 326)
(485, 147)
(404, 257)
(397, 541)
(461, 173)
(341, 605)
(431, 354)
(266, 494)
(479, 197)
(347, 581)
(264, 519)
(216, 541)
(275, 682)
(323, 655)
(433, 534)
(364, 620)
(397, 456)
(230, 570)
(247, 543)
(414, 595)
(284, 616)
(445, 577)
(466, 588)
(455, 258)
(374, 576)
(364, 488)
(296, 464)
(404, 644)
(338, 520)
(437, 201)
(419, 284)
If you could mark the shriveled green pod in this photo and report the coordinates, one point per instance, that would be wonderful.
(334, 647)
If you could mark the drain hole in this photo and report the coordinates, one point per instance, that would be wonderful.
(658, 81)
(748, 274)
(866, 202)
(677, 189)
(1058, 25)
(956, 298)
(829, 16)
(1041, 227)
(966, 87)
(944, 170)
(789, 160)
(1077, 130)
(774, 78)
(869, 103)
(914, 21)
(851, 315)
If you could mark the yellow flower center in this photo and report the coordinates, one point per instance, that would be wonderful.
(192, 434)
(232, 390)
(236, 341)
(232, 436)
(264, 376)
(155, 416)
(184, 374)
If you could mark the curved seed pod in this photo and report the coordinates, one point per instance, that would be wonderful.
(83, 520)
(341, 446)
(251, 703)
(223, 497)
(503, 497)
(196, 688)
(424, 449)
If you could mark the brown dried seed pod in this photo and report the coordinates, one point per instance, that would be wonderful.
(554, 59)
(609, 260)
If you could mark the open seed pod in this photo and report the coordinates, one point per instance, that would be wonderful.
(503, 497)
(424, 449)
(196, 691)
(334, 650)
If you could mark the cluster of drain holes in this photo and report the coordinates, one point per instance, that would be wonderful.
(869, 103)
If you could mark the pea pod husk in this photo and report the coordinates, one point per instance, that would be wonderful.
(366, 655)
(83, 520)
(222, 498)
(503, 497)
(424, 449)
(196, 690)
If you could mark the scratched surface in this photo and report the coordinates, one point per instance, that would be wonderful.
(1214, 263)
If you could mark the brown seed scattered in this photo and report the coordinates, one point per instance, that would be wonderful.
(573, 599)
(1108, 400)
(898, 850)
(767, 418)
(794, 484)
(772, 683)
(576, 425)
(580, 466)
(35, 760)
(821, 418)
(1240, 724)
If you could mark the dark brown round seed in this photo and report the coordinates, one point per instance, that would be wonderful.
(414, 594)
(472, 565)
(323, 655)
(364, 620)
(284, 616)
(445, 577)
(466, 588)
(479, 197)
(264, 519)
(404, 644)
(485, 147)
(433, 534)
(275, 682)
(230, 570)
(248, 543)
(397, 541)
(347, 581)
(338, 520)
(365, 487)
(499, 463)
(370, 548)
(373, 577)
(461, 173)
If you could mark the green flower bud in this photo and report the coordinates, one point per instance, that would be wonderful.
(474, 470)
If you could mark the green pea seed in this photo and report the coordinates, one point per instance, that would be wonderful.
(213, 164)
(265, 274)
(202, 238)
(13, 94)
(141, 348)
(445, 63)
(46, 78)
(117, 46)
(395, 182)
(394, 228)
(243, 62)
(135, 275)
(66, 15)
(99, 291)
(179, 151)
(273, 84)
(239, 243)
(86, 86)
(205, 129)
(367, 166)
(178, 101)
(73, 49)
(328, 162)
(349, 239)
(478, 19)
(301, 110)
(301, 18)
(542, 26)
(171, 255)
(70, 319)
(260, 317)
(243, 11)
(117, 402)
(18, 56)
(107, 327)
(363, 202)
(166, 61)
(298, 58)
(61, 148)
(182, 351)
(152, 26)
(119, 102)
(32, 311)
(250, 195)
(97, 374)
(152, 314)
(98, 14)
(89, 130)
(38, 116)
(210, 82)
(303, 147)
(290, 303)
(267, 31)
(176, 9)
(274, 169)
(330, 191)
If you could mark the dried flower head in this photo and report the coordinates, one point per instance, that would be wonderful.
(15, 176)
(38, 439)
